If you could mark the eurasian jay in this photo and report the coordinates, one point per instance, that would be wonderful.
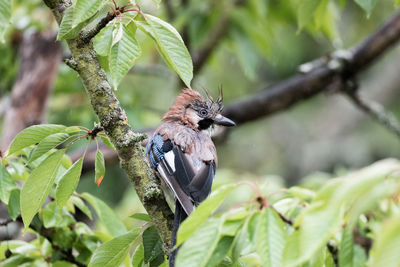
(183, 155)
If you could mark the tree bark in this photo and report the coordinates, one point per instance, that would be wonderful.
(40, 58)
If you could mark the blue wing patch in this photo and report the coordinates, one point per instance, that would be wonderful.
(156, 149)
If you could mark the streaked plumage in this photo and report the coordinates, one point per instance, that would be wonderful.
(183, 154)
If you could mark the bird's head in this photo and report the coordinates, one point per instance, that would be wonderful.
(192, 109)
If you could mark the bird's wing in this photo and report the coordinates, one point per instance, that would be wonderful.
(189, 186)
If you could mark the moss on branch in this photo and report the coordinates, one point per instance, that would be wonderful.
(114, 122)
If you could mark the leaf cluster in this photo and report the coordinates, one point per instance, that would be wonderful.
(350, 220)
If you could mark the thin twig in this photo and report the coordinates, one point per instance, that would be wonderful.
(374, 110)
(283, 217)
(86, 36)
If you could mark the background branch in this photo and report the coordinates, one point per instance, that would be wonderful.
(375, 111)
(40, 58)
(304, 86)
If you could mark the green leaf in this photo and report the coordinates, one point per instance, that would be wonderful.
(322, 218)
(117, 33)
(123, 53)
(99, 167)
(15, 260)
(202, 212)
(7, 184)
(66, 162)
(54, 216)
(68, 183)
(319, 259)
(63, 264)
(197, 250)
(107, 216)
(346, 249)
(367, 5)
(82, 206)
(113, 252)
(47, 144)
(138, 256)
(301, 193)
(141, 216)
(222, 248)
(318, 223)
(342, 3)
(305, 12)
(108, 143)
(270, 238)
(72, 129)
(152, 244)
(385, 248)
(5, 16)
(66, 30)
(38, 186)
(170, 45)
(243, 242)
(85, 9)
(230, 228)
(11, 245)
(360, 257)
(33, 135)
(102, 41)
(14, 209)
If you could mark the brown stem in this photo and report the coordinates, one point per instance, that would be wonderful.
(86, 36)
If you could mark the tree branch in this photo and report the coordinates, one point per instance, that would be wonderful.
(86, 36)
(304, 86)
(114, 122)
(374, 110)
(40, 58)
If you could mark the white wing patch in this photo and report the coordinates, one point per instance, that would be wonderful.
(170, 159)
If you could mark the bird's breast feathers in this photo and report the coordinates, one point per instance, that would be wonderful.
(197, 145)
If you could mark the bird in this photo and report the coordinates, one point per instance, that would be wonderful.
(183, 155)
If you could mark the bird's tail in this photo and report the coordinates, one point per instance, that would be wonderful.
(179, 216)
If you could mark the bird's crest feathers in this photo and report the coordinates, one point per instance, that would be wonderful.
(190, 98)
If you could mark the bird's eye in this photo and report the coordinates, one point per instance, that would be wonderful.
(203, 112)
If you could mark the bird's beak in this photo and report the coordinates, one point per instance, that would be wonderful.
(221, 120)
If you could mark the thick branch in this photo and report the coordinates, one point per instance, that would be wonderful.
(300, 87)
(114, 122)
